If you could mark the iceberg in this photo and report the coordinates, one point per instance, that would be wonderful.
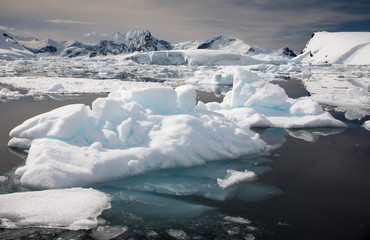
(135, 131)
(126, 134)
(74, 208)
(256, 103)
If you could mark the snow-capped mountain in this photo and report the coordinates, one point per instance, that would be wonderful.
(142, 41)
(337, 48)
(51, 47)
(231, 44)
(10, 49)
(132, 41)
(75, 49)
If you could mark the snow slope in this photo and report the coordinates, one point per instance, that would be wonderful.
(10, 49)
(337, 48)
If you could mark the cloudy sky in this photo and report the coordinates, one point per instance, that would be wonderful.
(266, 23)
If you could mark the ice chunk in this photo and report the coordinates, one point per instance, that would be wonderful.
(178, 234)
(162, 100)
(366, 125)
(126, 134)
(186, 97)
(306, 107)
(73, 209)
(64, 122)
(6, 94)
(237, 220)
(108, 232)
(234, 177)
(251, 96)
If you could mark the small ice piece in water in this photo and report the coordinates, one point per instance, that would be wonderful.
(237, 220)
(74, 208)
(56, 88)
(366, 125)
(6, 94)
(234, 177)
(3, 179)
(178, 234)
(108, 232)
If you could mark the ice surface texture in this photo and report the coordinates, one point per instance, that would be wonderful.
(139, 130)
(74, 208)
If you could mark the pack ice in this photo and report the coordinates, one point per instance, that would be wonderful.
(135, 131)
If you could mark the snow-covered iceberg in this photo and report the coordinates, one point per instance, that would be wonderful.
(125, 134)
(139, 130)
(337, 48)
(74, 208)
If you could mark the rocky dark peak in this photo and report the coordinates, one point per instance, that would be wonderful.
(288, 52)
(132, 41)
(208, 43)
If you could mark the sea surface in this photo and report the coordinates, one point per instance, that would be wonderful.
(313, 184)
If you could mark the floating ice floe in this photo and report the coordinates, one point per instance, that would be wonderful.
(366, 125)
(6, 94)
(234, 177)
(140, 130)
(73, 209)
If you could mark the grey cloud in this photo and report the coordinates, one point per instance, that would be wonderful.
(268, 23)
(63, 21)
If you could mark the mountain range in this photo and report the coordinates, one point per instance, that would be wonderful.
(137, 41)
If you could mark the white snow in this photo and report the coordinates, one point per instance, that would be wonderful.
(73, 209)
(366, 125)
(337, 47)
(234, 177)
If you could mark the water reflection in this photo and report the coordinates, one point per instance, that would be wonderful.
(185, 200)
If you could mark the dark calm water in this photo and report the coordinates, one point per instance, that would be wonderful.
(315, 184)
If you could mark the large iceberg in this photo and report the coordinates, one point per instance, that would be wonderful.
(125, 134)
(139, 130)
